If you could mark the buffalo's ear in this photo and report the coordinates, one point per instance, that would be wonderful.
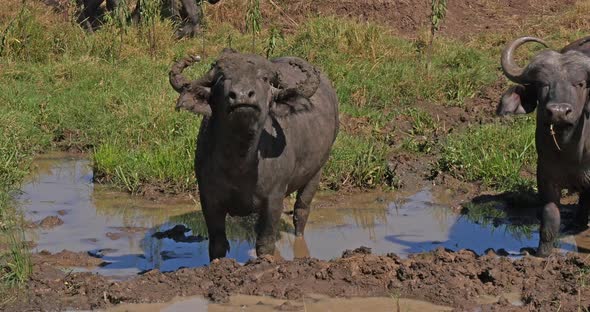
(519, 99)
(195, 99)
(228, 51)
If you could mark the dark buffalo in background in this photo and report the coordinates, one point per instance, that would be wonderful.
(187, 14)
(556, 84)
(267, 131)
(91, 12)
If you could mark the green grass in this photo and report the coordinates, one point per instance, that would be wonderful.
(109, 94)
(19, 140)
(494, 154)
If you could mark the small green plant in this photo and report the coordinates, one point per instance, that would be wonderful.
(229, 41)
(5, 33)
(15, 265)
(272, 42)
(437, 16)
(253, 20)
(120, 17)
(150, 13)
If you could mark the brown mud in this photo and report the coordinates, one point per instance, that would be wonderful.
(66, 258)
(456, 279)
(310, 303)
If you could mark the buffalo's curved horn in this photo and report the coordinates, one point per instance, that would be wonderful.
(509, 66)
(307, 87)
(177, 80)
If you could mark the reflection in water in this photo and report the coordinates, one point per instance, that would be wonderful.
(121, 227)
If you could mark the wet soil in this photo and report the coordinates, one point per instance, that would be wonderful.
(457, 279)
(309, 303)
(50, 222)
(66, 258)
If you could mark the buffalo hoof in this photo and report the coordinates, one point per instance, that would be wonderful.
(266, 249)
(544, 250)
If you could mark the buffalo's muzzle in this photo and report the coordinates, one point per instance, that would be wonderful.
(242, 97)
(243, 108)
(559, 113)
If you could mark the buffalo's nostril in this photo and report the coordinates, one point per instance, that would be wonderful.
(568, 110)
(232, 95)
(251, 94)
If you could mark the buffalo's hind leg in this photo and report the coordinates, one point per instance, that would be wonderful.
(215, 220)
(303, 204)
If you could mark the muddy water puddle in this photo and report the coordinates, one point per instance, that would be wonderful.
(131, 235)
(308, 303)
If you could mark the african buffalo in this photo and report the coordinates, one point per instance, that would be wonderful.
(522, 99)
(187, 14)
(91, 12)
(267, 131)
(556, 84)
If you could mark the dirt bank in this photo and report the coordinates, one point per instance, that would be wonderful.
(458, 279)
(408, 18)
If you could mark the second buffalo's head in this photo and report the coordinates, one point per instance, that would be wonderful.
(243, 89)
(557, 83)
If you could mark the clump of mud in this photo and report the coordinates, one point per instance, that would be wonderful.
(66, 258)
(442, 277)
(50, 222)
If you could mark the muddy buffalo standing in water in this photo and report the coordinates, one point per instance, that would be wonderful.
(267, 131)
(556, 84)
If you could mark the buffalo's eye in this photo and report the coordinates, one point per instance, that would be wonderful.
(581, 84)
(543, 90)
(265, 78)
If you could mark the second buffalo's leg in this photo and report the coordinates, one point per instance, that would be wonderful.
(136, 14)
(549, 214)
(89, 15)
(112, 5)
(267, 226)
(581, 218)
(303, 204)
(192, 21)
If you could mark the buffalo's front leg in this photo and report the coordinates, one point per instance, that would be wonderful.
(267, 226)
(89, 15)
(215, 220)
(303, 203)
(549, 215)
(112, 5)
(192, 22)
